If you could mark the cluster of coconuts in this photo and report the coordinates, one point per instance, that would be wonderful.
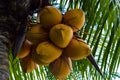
(53, 42)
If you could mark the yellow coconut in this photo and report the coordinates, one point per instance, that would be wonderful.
(61, 67)
(25, 49)
(37, 34)
(48, 52)
(74, 18)
(50, 16)
(27, 64)
(61, 35)
(77, 49)
(37, 58)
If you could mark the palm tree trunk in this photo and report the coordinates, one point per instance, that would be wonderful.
(6, 26)
(4, 52)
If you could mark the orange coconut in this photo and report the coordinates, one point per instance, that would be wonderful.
(37, 34)
(25, 49)
(77, 49)
(48, 52)
(61, 67)
(50, 16)
(61, 35)
(74, 18)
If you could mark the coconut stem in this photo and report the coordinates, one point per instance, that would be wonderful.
(92, 60)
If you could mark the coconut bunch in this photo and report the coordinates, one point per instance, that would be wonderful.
(53, 41)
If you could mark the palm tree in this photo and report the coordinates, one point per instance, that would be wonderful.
(4, 42)
(4, 64)
(101, 31)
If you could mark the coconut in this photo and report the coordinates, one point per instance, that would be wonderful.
(27, 64)
(61, 35)
(50, 16)
(48, 52)
(37, 58)
(77, 49)
(74, 18)
(25, 49)
(37, 34)
(61, 67)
